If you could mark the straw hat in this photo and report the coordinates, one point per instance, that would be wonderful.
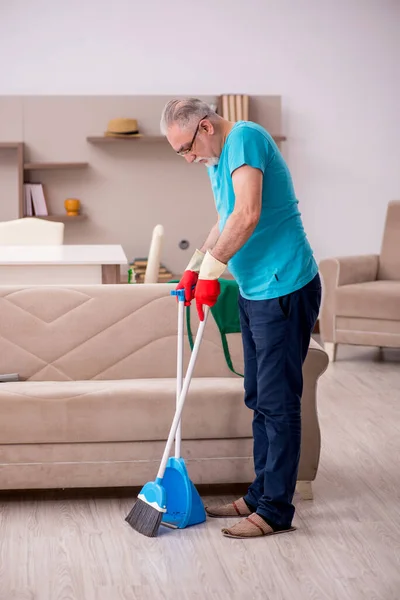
(122, 128)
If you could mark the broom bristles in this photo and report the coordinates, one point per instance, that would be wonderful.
(145, 519)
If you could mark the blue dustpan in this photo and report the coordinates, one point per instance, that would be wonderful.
(183, 503)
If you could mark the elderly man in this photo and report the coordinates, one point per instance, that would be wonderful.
(260, 237)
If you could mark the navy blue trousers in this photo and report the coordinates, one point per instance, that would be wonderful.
(276, 335)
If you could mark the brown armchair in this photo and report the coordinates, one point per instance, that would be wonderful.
(361, 294)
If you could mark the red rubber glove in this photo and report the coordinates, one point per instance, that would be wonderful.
(188, 283)
(207, 292)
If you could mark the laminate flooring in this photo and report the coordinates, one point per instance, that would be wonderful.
(347, 545)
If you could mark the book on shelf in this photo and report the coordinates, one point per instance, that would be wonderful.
(163, 277)
(28, 208)
(234, 107)
(139, 266)
(143, 269)
(35, 201)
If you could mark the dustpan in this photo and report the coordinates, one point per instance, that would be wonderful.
(183, 502)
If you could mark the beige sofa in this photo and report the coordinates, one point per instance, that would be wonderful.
(99, 395)
(361, 294)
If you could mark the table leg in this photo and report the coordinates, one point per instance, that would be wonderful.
(110, 274)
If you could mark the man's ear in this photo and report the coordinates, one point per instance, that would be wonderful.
(207, 126)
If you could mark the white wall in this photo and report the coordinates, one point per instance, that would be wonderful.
(335, 63)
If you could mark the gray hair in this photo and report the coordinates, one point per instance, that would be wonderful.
(185, 112)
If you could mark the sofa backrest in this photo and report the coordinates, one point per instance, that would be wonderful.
(56, 333)
(389, 260)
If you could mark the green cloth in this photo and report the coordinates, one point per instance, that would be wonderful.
(226, 316)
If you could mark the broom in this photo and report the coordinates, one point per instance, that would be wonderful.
(147, 512)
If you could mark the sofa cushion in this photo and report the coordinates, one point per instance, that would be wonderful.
(135, 409)
(60, 333)
(373, 300)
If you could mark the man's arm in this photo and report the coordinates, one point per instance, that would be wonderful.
(247, 185)
(211, 239)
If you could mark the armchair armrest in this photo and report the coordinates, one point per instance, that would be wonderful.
(351, 269)
(335, 272)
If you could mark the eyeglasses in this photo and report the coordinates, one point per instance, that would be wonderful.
(189, 148)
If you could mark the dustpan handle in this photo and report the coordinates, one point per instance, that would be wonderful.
(183, 394)
(179, 370)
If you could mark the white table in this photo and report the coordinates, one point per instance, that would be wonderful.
(64, 264)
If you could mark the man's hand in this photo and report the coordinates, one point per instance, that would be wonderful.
(188, 283)
(208, 287)
(207, 292)
(190, 276)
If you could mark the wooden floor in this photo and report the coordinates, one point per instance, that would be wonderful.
(347, 545)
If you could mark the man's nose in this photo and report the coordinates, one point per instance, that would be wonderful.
(190, 158)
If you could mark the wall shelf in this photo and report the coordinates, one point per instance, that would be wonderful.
(47, 166)
(99, 139)
(11, 145)
(30, 170)
(59, 218)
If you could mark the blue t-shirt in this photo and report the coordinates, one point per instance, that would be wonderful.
(277, 258)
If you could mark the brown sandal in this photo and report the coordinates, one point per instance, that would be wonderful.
(250, 527)
(233, 509)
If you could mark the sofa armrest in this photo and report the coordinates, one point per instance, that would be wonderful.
(315, 365)
(335, 272)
